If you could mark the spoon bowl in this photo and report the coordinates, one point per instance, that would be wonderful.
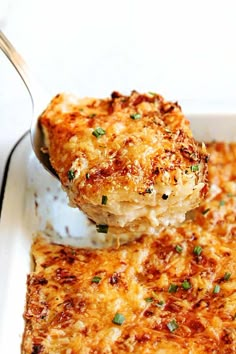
(38, 97)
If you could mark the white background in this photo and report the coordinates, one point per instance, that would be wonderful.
(183, 49)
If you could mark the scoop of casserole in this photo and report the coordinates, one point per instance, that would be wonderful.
(129, 162)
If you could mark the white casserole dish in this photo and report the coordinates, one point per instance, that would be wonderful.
(30, 199)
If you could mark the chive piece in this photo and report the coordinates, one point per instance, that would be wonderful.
(98, 132)
(173, 288)
(104, 199)
(102, 228)
(197, 250)
(87, 175)
(149, 190)
(230, 195)
(149, 299)
(227, 275)
(152, 93)
(172, 325)
(221, 202)
(92, 115)
(118, 319)
(179, 249)
(71, 175)
(194, 168)
(186, 285)
(135, 116)
(204, 212)
(216, 289)
(96, 279)
(161, 303)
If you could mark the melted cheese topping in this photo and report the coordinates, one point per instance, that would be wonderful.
(136, 150)
(174, 300)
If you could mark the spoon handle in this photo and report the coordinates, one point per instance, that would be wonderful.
(18, 62)
(38, 98)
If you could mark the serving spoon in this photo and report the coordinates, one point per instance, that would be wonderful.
(38, 97)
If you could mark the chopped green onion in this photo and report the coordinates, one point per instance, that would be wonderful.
(186, 285)
(87, 175)
(148, 190)
(152, 93)
(194, 168)
(204, 212)
(161, 303)
(104, 199)
(178, 248)
(149, 299)
(227, 275)
(173, 288)
(197, 250)
(221, 202)
(172, 325)
(98, 132)
(92, 115)
(216, 289)
(118, 319)
(135, 116)
(96, 279)
(102, 228)
(71, 175)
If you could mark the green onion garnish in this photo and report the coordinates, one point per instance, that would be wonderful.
(204, 212)
(167, 130)
(173, 288)
(102, 228)
(152, 93)
(148, 190)
(172, 325)
(149, 299)
(98, 132)
(197, 250)
(104, 199)
(179, 249)
(216, 289)
(135, 116)
(227, 275)
(161, 303)
(118, 319)
(230, 195)
(194, 168)
(92, 115)
(221, 202)
(96, 279)
(186, 285)
(71, 175)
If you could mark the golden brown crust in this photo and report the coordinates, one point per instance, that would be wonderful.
(145, 151)
(67, 312)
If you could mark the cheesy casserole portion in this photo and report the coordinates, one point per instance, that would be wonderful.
(129, 162)
(171, 294)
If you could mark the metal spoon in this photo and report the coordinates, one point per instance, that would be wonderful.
(38, 97)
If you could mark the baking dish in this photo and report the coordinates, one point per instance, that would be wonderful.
(32, 200)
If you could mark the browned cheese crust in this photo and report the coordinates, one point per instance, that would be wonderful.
(177, 293)
(135, 151)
